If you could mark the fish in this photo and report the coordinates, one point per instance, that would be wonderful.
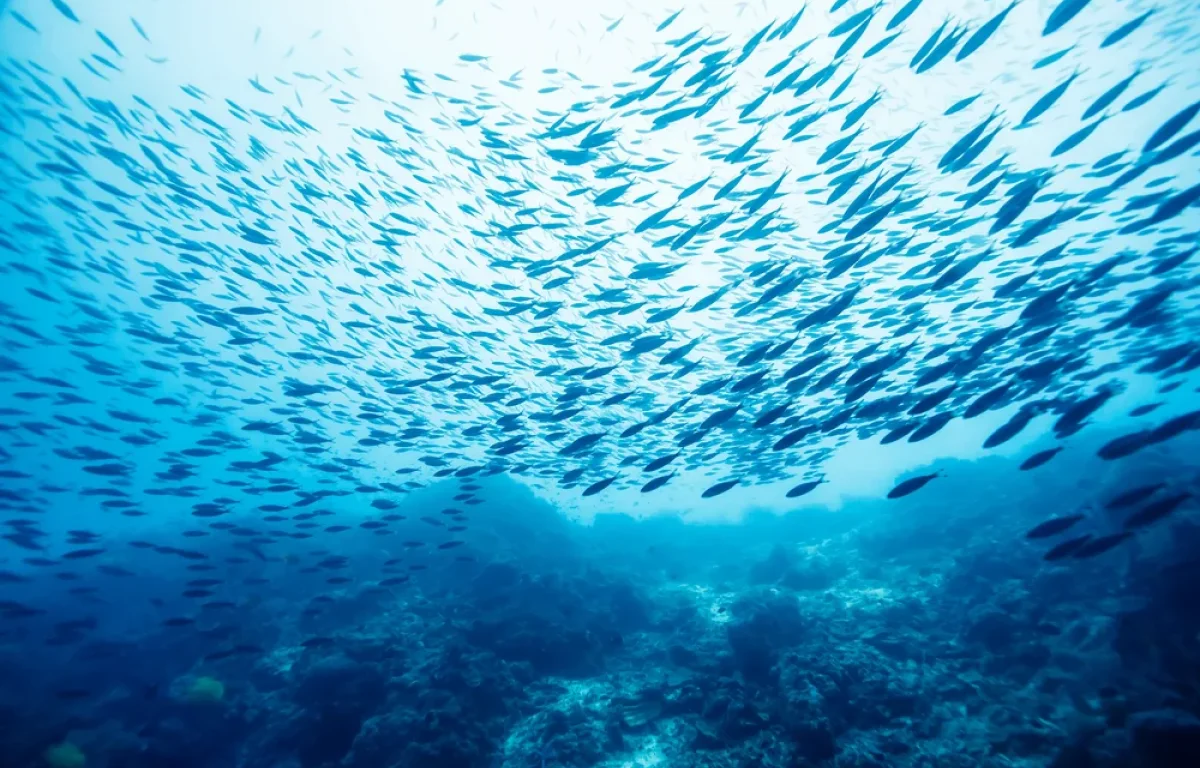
(1061, 14)
(1106, 99)
(1048, 100)
(1133, 496)
(1125, 30)
(656, 483)
(1099, 545)
(264, 319)
(1010, 428)
(1039, 458)
(599, 486)
(903, 13)
(1067, 548)
(803, 488)
(718, 489)
(984, 33)
(1053, 526)
(62, 7)
(911, 485)
(1155, 511)
(1171, 126)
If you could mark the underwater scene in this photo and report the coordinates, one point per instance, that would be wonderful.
(564, 384)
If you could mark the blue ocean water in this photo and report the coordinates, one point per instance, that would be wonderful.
(449, 383)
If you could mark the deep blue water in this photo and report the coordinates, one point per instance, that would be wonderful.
(547, 384)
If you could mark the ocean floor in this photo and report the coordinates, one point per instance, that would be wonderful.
(917, 640)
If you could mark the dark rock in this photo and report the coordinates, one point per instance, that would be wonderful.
(717, 707)
(773, 568)
(557, 723)
(895, 744)
(742, 721)
(993, 629)
(1033, 655)
(763, 627)
(686, 699)
(154, 757)
(1026, 742)
(636, 714)
(335, 696)
(551, 649)
(814, 742)
(496, 578)
(1074, 756)
(1165, 738)
(901, 703)
(195, 738)
(815, 573)
(434, 739)
(478, 684)
(613, 733)
(705, 738)
(338, 681)
(683, 657)
(580, 738)
(628, 609)
(890, 644)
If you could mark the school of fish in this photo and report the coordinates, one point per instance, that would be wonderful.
(462, 290)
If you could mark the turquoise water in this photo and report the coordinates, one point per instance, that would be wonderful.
(448, 383)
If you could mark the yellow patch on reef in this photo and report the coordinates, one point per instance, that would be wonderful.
(65, 755)
(206, 689)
